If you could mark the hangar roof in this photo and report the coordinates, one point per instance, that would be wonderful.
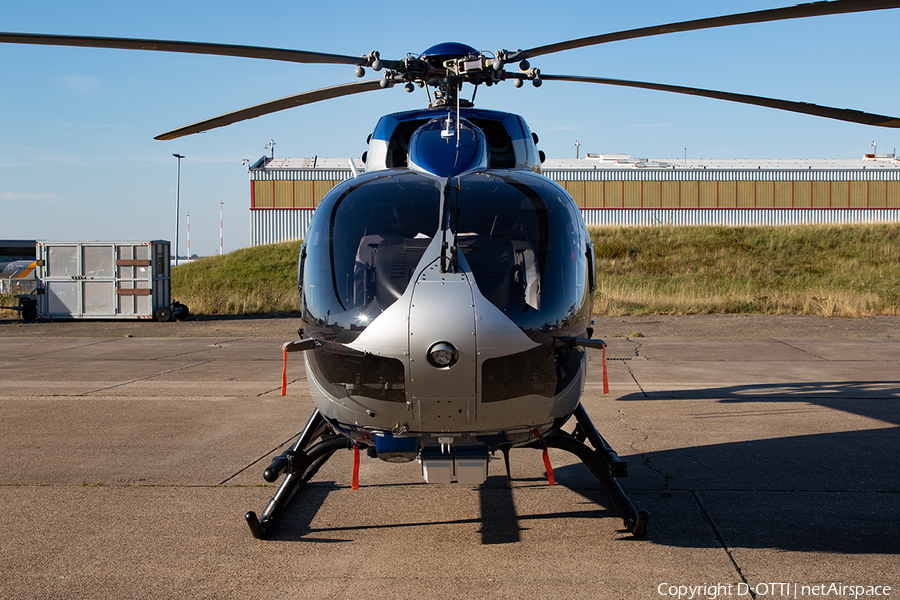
(624, 161)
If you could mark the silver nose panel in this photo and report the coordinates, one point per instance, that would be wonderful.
(443, 311)
(442, 308)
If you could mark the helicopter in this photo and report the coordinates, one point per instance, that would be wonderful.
(446, 292)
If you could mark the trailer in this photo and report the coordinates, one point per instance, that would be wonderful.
(105, 280)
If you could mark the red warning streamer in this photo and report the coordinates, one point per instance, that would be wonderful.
(284, 373)
(547, 466)
(550, 478)
(605, 380)
(355, 484)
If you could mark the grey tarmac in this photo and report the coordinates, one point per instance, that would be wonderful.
(764, 447)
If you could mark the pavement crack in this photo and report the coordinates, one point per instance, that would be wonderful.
(636, 382)
(216, 345)
(273, 450)
(792, 347)
(708, 518)
(637, 347)
(110, 387)
(44, 353)
(648, 462)
(645, 460)
(278, 389)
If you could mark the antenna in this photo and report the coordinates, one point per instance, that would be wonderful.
(178, 158)
(270, 146)
(221, 229)
(189, 237)
(457, 120)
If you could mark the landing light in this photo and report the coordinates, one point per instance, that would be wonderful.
(442, 355)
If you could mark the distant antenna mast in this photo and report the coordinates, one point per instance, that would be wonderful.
(271, 146)
(189, 236)
(178, 157)
(874, 145)
(577, 149)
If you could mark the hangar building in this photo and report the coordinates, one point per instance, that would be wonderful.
(615, 189)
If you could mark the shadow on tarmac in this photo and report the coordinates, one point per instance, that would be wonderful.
(826, 492)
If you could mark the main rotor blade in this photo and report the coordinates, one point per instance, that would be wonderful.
(800, 11)
(298, 56)
(265, 108)
(841, 114)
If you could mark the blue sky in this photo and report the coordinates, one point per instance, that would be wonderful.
(78, 159)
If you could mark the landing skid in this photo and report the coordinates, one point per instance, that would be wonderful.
(317, 443)
(605, 464)
(301, 463)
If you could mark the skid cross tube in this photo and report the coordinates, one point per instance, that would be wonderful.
(617, 466)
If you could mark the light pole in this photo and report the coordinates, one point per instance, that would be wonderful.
(177, 202)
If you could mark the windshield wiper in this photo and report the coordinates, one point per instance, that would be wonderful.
(452, 185)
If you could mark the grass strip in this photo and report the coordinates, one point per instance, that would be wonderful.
(826, 270)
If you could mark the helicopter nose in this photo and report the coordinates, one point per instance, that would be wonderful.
(442, 329)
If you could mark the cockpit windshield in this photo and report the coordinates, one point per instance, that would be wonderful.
(366, 239)
(518, 234)
(521, 238)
